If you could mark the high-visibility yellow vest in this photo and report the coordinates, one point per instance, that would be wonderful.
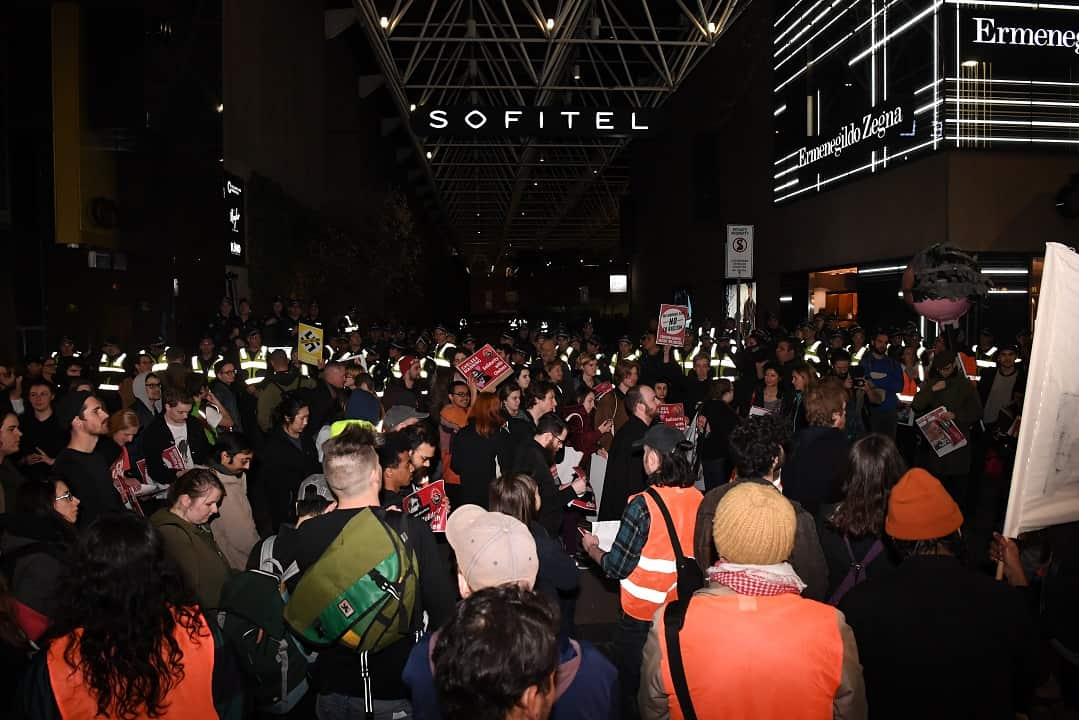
(196, 366)
(253, 364)
(111, 372)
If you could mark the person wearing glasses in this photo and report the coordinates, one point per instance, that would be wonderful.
(147, 391)
(224, 388)
(451, 418)
(35, 543)
(537, 459)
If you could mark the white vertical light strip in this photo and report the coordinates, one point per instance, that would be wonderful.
(873, 53)
(936, 84)
(958, 80)
(884, 52)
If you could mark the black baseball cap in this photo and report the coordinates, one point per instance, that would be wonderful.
(661, 437)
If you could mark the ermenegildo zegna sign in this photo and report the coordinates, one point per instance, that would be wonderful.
(868, 131)
(472, 121)
(991, 31)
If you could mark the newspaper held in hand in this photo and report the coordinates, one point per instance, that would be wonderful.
(429, 504)
(606, 531)
(485, 368)
(943, 434)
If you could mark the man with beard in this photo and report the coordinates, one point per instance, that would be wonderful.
(625, 472)
(537, 458)
(405, 391)
(884, 380)
(86, 472)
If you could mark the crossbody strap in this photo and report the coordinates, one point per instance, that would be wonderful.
(674, 616)
(671, 531)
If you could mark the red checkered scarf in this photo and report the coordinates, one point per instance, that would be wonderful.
(757, 580)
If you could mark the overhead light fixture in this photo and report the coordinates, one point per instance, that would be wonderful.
(618, 283)
(595, 172)
(412, 107)
(477, 214)
(576, 72)
(221, 107)
(550, 23)
(878, 270)
(383, 22)
(535, 184)
(1007, 291)
(970, 63)
(711, 28)
(543, 159)
(1005, 271)
(430, 154)
(786, 298)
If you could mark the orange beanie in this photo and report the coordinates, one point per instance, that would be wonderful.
(919, 508)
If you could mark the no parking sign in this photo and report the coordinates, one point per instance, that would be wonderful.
(739, 251)
(671, 329)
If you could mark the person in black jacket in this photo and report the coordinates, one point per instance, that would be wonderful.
(970, 637)
(34, 546)
(537, 458)
(341, 676)
(287, 457)
(818, 464)
(850, 529)
(625, 471)
(719, 418)
(538, 399)
(558, 577)
(85, 471)
(476, 448)
(174, 442)
(326, 401)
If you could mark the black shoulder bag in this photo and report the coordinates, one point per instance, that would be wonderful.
(690, 579)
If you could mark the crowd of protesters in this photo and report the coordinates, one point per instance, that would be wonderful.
(794, 548)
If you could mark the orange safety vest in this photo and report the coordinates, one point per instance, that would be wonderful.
(785, 636)
(192, 697)
(654, 582)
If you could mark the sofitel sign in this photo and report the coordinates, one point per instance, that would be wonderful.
(472, 121)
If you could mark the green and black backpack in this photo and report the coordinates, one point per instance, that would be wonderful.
(361, 593)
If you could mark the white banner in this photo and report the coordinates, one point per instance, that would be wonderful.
(1045, 481)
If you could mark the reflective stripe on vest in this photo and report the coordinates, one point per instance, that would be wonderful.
(797, 640)
(655, 579)
(811, 354)
(112, 371)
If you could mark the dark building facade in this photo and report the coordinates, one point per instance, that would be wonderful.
(852, 135)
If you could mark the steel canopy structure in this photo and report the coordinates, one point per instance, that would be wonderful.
(530, 193)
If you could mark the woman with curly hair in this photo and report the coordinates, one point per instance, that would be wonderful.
(127, 643)
(852, 530)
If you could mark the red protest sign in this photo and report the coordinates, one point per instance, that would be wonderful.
(485, 368)
(429, 504)
(673, 321)
(673, 414)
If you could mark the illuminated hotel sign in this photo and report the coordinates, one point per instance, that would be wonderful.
(471, 121)
(961, 74)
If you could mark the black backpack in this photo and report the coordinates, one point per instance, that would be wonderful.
(251, 617)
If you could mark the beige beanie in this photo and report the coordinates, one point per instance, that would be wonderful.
(754, 525)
